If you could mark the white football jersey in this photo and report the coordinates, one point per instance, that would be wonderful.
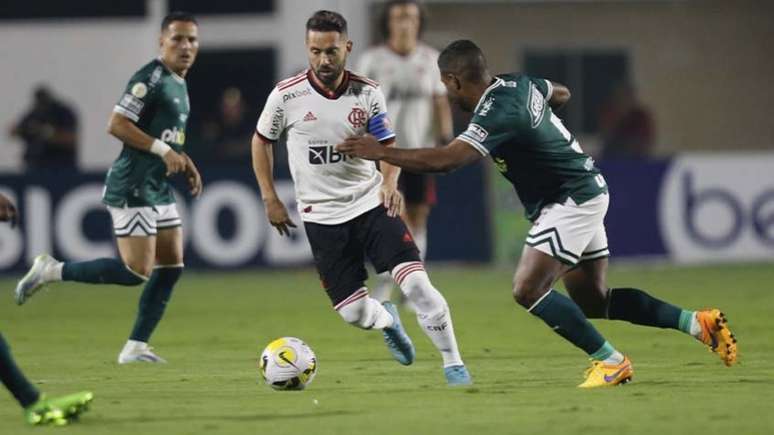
(330, 187)
(409, 83)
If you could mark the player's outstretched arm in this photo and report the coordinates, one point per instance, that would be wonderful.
(8, 211)
(263, 164)
(443, 159)
(559, 96)
(127, 132)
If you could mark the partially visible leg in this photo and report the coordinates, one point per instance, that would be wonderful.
(135, 231)
(535, 274)
(47, 269)
(339, 258)
(587, 286)
(433, 316)
(362, 311)
(168, 258)
(13, 378)
(37, 409)
(419, 194)
(532, 283)
(389, 249)
(382, 290)
(417, 215)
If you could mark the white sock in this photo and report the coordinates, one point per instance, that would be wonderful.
(615, 358)
(382, 291)
(53, 273)
(363, 311)
(432, 311)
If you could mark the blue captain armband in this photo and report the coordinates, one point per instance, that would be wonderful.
(380, 127)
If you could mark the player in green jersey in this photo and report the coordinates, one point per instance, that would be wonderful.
(150, 119)
(565, 197)
(38, 410)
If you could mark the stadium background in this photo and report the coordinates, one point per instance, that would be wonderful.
(705, 192)
(702, 199)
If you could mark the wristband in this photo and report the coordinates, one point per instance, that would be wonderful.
(159, 148)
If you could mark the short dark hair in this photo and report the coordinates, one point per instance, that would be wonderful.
(463, 58)
(177, 16)
(384, 18)
(327, 21)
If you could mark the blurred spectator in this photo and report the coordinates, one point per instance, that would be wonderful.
(229, 131)
(49, 132)
(626, 125)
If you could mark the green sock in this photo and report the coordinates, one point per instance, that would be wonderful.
(686, 322)
(153, 301)
(13, 379)
(640, 308)
(566, 319)
(100, 271)
(606, 351)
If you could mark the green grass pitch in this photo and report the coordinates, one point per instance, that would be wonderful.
(67, 339)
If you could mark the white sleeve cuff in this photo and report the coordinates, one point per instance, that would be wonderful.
(477, 145)
(126, 113)
(550, 89)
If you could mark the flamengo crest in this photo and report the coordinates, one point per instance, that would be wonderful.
(357, 117)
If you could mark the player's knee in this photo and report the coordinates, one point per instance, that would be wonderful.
(526, 292)
(140, 268)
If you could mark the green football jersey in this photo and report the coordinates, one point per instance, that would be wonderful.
(156, 100)
(530, 146)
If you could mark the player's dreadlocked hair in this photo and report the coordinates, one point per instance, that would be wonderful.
(384, 18)
(463, 58)
(177, 16)
(327, 21)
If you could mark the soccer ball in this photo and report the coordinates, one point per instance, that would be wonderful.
(288, 363)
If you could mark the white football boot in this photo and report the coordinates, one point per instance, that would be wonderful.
(137, 351)
(36, 278)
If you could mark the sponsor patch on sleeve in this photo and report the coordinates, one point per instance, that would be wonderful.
(476, 132)
(131, 104)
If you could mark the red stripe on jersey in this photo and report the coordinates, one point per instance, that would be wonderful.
(289, 79)
(362, 79)
(289, 84)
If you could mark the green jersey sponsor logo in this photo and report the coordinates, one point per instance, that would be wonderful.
(173, 136)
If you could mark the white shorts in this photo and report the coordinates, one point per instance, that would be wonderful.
(572, 233)
(143, 221)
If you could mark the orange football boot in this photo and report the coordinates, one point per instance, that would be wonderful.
(716, 335)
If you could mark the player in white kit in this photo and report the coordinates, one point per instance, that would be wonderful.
(408, 75)
(350, 210)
